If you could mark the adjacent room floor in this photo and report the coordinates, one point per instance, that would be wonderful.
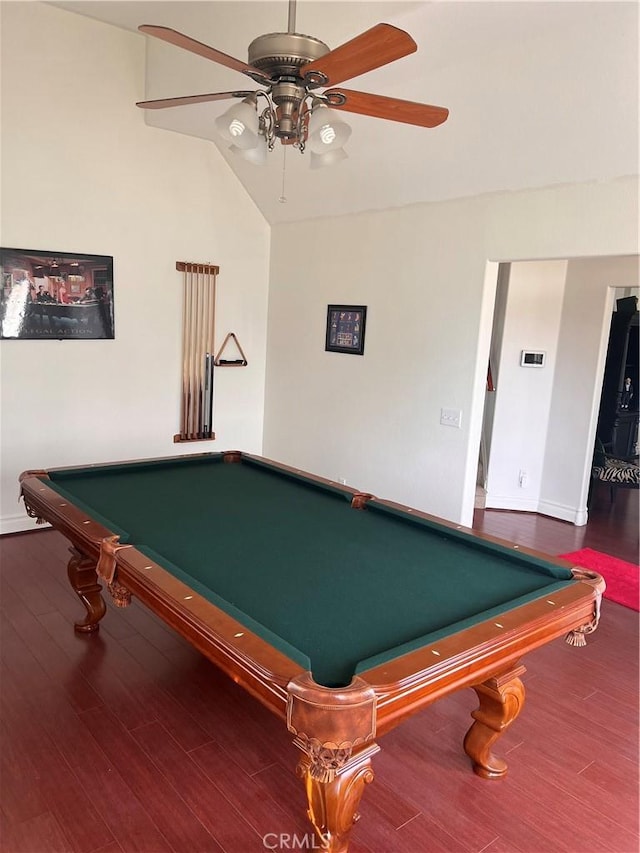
(612, 528)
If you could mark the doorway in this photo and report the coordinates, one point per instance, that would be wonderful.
(538, 426)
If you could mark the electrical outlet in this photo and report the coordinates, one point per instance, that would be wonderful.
(342, 481)
(451, 417)
(523, 479)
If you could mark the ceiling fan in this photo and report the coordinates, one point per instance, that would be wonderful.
(292, 68)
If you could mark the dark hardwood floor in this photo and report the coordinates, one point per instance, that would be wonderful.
(613, 527)
(129, 740)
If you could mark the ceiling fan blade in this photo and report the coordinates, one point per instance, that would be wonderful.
(162, 103)
(393, 109)
(187, 43)
(372, 49)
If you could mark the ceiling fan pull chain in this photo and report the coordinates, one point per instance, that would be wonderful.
(283, 198)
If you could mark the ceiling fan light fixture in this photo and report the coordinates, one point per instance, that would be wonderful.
(327, 158)
(239, 124)
(327, 130)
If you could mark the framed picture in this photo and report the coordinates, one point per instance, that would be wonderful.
(345, 328)
(53, 295)
(532, 358)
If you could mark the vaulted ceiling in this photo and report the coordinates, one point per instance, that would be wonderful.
(539, 93)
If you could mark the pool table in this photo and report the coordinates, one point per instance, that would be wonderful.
(342, 613)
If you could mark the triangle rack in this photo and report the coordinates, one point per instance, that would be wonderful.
(227, 362)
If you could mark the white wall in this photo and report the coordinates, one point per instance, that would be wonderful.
(422, 271)
(81, 172)
(523, 394)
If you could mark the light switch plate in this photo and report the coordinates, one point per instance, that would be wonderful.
(451, 417)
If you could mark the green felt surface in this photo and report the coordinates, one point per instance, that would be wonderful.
(340, 585)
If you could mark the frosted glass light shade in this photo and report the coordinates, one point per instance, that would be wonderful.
(257, 155)
(327, 130)
(239, 125)
(328, 158)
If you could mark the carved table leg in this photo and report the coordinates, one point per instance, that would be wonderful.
(501, 699)
(82, 575)
(333, 801)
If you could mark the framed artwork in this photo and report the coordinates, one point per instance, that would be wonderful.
(53, 295)
(532, 358)
(345, 328)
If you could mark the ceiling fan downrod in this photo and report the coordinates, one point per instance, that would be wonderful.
(291, 26)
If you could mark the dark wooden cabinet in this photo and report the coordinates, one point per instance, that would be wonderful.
(618, 416)
(624, 435)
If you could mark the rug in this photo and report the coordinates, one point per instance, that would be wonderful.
(621, 577)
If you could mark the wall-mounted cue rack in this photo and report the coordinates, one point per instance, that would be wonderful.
(198, 327)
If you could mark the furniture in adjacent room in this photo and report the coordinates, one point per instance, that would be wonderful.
(341, 613)
(618, 414)
(613, 471)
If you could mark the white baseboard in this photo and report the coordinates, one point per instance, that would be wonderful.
(575, 515)
(493, 501)
(20, 523)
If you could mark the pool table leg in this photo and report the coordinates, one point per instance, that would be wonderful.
(82, 575)
(333, 802)
(501, 700)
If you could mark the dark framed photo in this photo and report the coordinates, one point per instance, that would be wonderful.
(55, 295)
(345, 328)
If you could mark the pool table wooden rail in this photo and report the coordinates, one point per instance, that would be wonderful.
(242, 654)
(335, 728)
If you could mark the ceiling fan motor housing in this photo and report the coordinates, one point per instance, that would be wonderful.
(280, 56)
